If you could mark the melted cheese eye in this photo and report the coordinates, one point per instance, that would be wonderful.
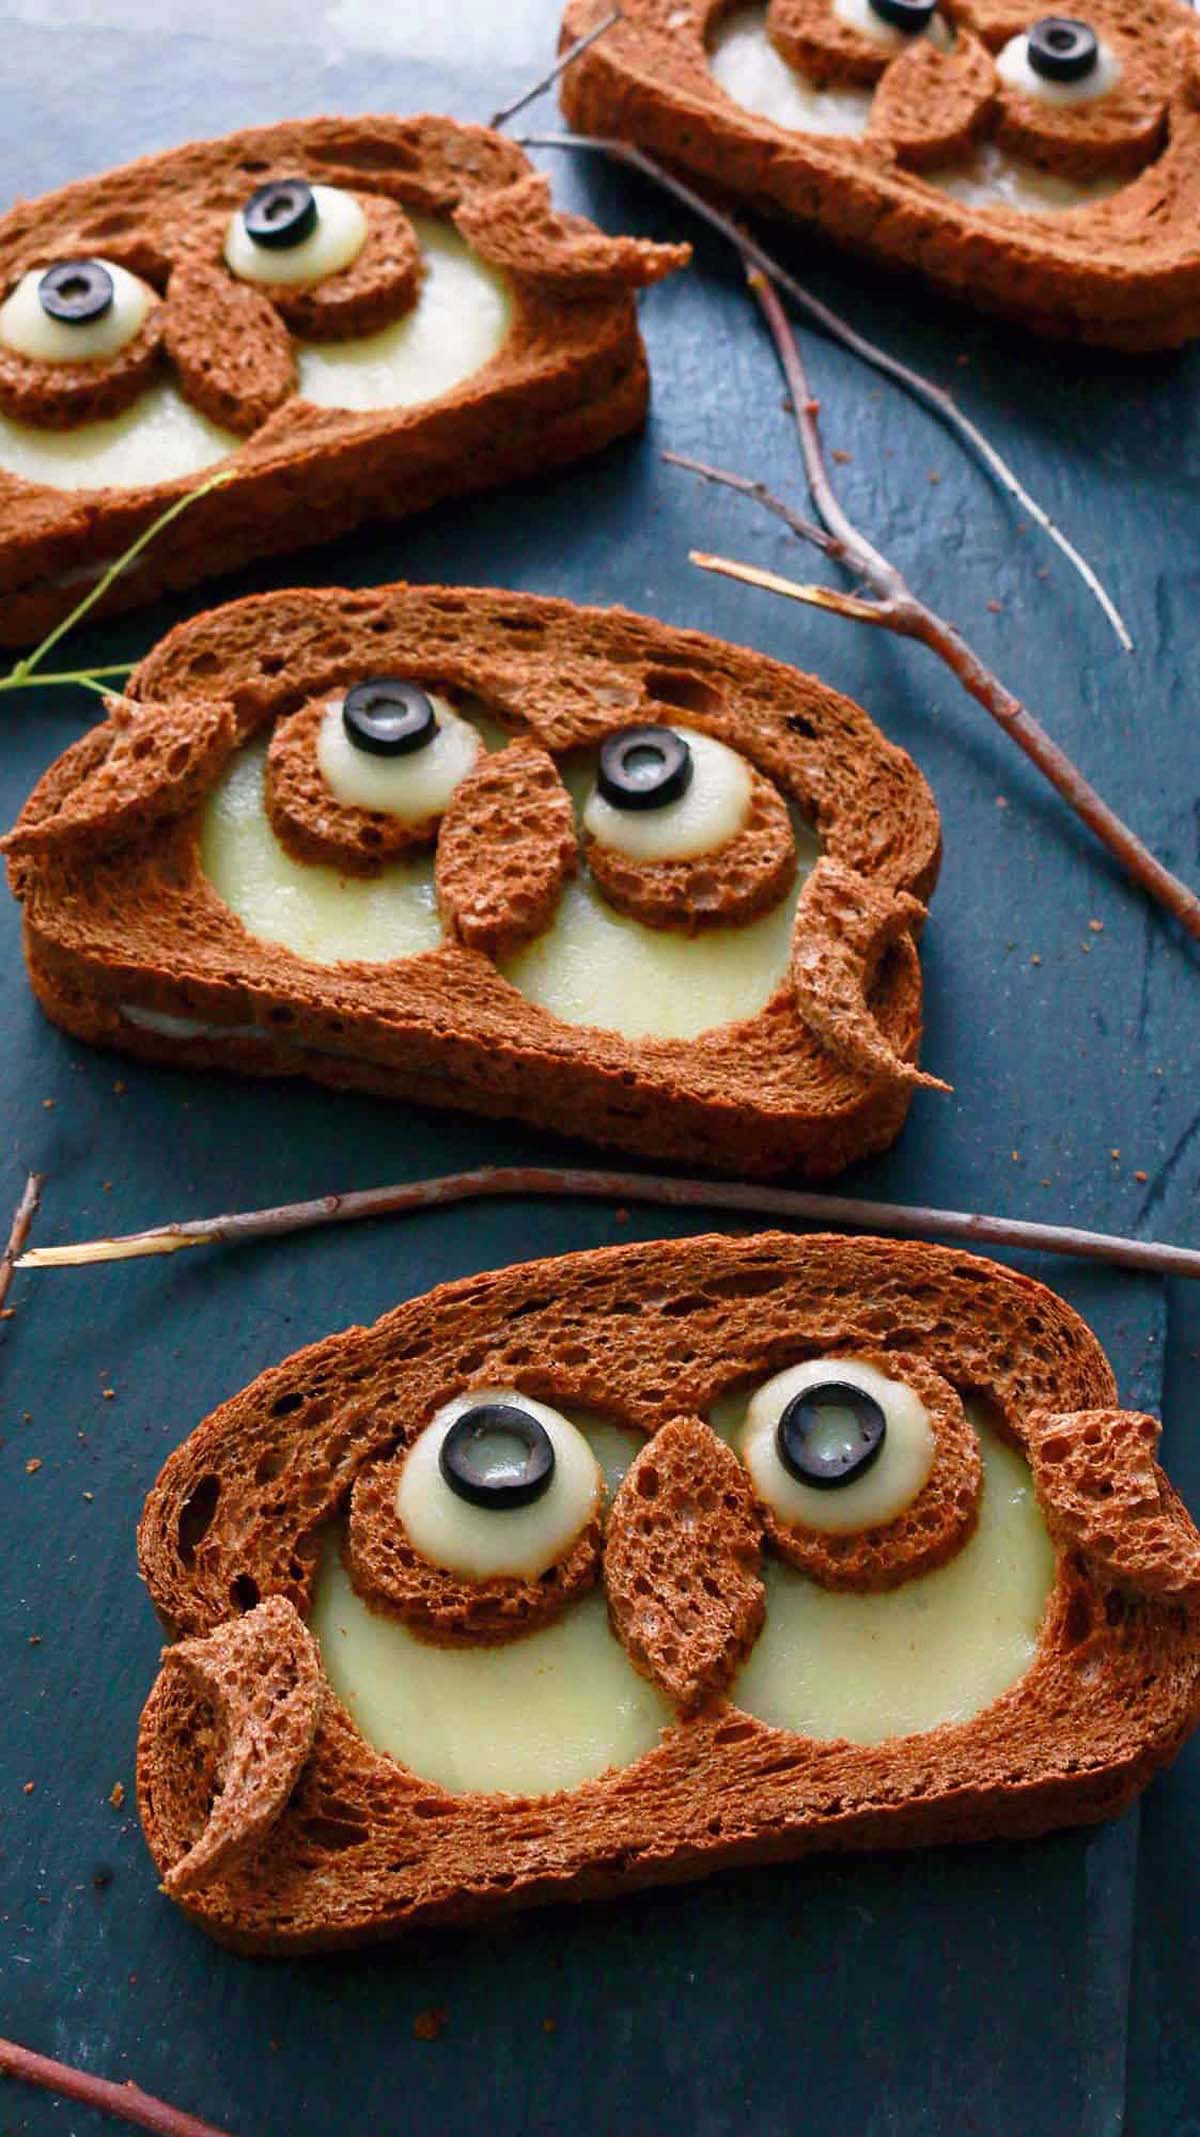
(480, 1541)
(886, 1481)
(1014, 67)
(413, 788)
(710, 811)
(338, 237)
(27, 329)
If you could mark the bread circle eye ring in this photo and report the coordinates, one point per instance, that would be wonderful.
(1062, 49)
(388, 718)
(644, 768)
(498, 1456)
(280, 214)
(910, 16)
(76, 291)
(819, 1444)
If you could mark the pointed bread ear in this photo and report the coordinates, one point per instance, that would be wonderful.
(844, 925)
(260, 1676)
(571, 256)
(143, 765)
(681, 1562)
(1104, 1494)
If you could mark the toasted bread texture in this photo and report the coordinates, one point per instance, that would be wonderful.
(569, 376)
(128, 943)
(1123, 271)
(359, 1847)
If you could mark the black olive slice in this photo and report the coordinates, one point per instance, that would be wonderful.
(644, 768)
(911, 16)
(1062, 49)
(519, 1467)
(388, 718)
(280, 214)
(76, 291)
(814, 1454)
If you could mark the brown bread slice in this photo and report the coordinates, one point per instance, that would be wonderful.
(570, 376)
(824, 1072)
(656, 1334)
(1124, 272)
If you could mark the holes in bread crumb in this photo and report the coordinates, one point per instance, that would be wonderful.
(735, 1732)
(683, 689)
(244, 1592)
(1077, 1620)
(270, 1465)
(332, 1834)
(196, 1517)
(203, 664)
(800, 726)
(284, 1405)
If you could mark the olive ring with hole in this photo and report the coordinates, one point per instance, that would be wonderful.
(1062, 49)
(825, 1452)
(911, 16)
(76, 291)
(644, 768)
(280, 214)
(387, 717)
(497, 1456)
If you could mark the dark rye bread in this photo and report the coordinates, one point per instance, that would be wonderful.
(570, 376)
(745, 877)
(822, 1074)
(1123, 272)
(653, 1336)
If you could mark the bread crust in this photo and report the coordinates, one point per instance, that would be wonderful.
(138, 927)
(656, 1334)
(1123, 272)
(570, 376)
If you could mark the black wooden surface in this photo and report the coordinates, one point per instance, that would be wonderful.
(1049, 1987)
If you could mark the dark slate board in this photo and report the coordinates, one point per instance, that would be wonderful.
(1040, 1988)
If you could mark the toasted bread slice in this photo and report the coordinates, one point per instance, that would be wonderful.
(277, 1838)
(568, 371)
(130, 943)
(1122, 270)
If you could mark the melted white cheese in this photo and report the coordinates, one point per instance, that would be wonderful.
(540, 1713)
(883, 1491)
(994, 179)
(337, 239)
(938, 1649)
(411, 788)
(29, 331)
(860, 15)
(745, 64)
(1012, 65)
(711, 810)
(459, 322)
(309, 908)
(479, 1541)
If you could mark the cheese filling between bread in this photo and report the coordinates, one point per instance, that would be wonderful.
(745, 64)
(591, 966)
(991, 178)
(939, 1648)
(541, 1713)
(459, 322)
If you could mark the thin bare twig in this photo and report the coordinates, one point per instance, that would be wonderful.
(23, 1216)
(896, 608)
(126, 2103)
(796, 1205)
(807, 529)
(941, 403)
(565, 60)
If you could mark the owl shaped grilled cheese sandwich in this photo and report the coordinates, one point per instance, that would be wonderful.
(349, 318)
(493, 851)
(1043, 166)
(634, 1564)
